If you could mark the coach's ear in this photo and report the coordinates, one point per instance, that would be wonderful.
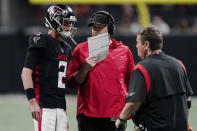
(147, 45)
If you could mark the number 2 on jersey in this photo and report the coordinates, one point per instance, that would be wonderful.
(62, 75)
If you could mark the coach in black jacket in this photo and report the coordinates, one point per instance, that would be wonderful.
(159, 88)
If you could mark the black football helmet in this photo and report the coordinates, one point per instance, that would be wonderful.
(58, 16)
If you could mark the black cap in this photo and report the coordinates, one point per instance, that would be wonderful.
(99, 19)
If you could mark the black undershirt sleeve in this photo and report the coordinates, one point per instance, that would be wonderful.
(33, 57)
(137, 88)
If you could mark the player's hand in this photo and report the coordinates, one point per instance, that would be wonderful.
(118, 123)
(136, 128)
(90, 62)
(35, 109)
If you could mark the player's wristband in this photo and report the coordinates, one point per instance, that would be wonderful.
(30, 93)
(122, 120)
(188, 104)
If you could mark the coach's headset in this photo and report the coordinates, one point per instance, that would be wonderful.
(110, 19)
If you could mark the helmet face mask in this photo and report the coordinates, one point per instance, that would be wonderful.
(70, 31)
(59, 17)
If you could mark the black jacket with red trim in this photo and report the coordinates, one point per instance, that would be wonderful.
(165, 107)
(164, 76)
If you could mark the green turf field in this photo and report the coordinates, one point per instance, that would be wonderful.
(15, 115)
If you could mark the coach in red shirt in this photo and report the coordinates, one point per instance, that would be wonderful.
(102, 86)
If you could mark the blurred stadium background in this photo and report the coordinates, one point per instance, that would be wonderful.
(177, 20)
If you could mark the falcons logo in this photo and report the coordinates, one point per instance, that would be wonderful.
(55, 11)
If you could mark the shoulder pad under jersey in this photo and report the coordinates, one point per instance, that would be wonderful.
(38, 40)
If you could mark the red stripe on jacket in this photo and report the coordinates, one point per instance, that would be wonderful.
(146, 76)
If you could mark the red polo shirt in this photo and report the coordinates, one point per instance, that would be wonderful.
(103, 92)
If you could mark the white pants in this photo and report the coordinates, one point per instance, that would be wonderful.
(52, 120)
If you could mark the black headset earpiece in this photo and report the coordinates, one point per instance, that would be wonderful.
(110, 18)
